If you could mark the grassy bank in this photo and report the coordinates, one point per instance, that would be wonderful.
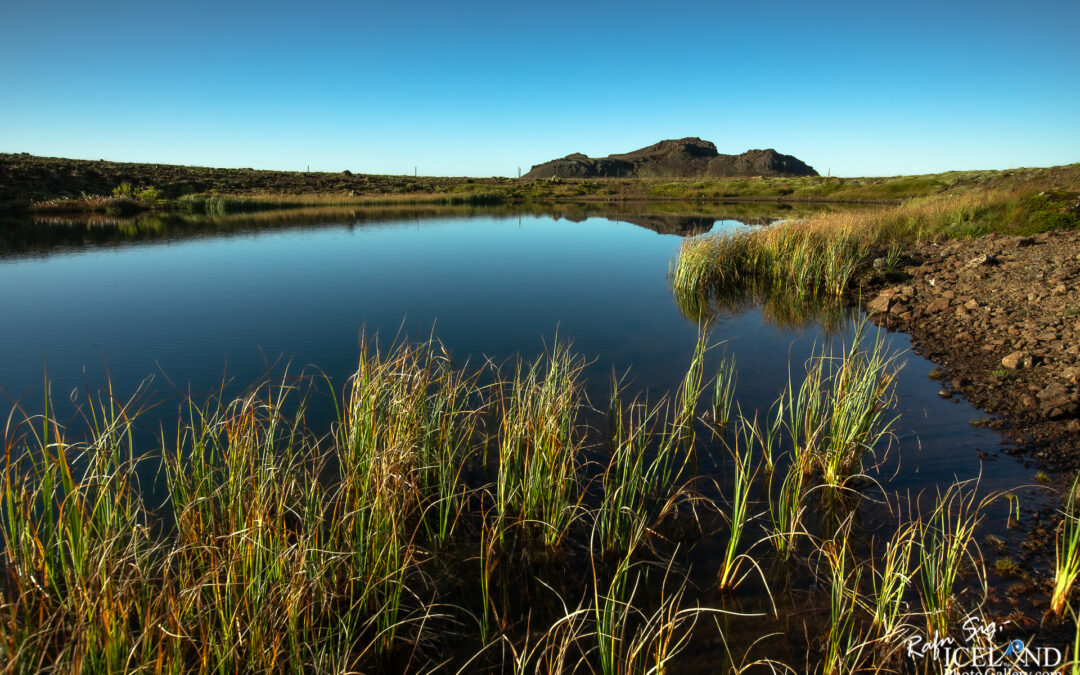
(62, 183)
(459, 520)
(820, 255)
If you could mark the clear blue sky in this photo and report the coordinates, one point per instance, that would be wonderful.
(481, 88)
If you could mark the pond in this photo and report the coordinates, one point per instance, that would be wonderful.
(190, 311)
(193, 304)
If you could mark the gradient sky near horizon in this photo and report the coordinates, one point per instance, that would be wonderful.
(482, 88)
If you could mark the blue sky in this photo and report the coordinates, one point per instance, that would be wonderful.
(485, 87)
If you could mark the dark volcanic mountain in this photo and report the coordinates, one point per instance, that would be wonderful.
(684, 158)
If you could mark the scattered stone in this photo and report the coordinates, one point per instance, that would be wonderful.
(1024, 241)
(971, 304)
(982, 259)
(881, 303)
(944, 393)
(1073, 426)
(1053, 391)
(1016, 360)
(939, 305)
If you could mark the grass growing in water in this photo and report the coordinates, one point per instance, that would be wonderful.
(1067, 561)
(360, 548)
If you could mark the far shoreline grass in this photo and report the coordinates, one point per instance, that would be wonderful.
(67, 185)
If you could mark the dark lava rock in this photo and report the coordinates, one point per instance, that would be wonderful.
(685, 157)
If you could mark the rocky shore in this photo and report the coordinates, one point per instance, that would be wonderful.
(1001, 315)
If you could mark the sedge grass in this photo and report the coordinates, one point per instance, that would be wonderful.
(734, 561)
(540, 442)
(371, 547)
(636, 482)
(724, 392)
(1067, 552)
(839, 413)
(947, 546)
(845, 645)
(786, 511)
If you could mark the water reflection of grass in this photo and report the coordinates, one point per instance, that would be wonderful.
(46, 231)
(471, 520)
(786, 310)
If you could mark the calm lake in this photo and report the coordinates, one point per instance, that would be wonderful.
(195, 303)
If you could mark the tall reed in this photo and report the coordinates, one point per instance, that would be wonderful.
(946, 545)
(1067, 552)
(840, 412)
(539, 443)
(733, 562)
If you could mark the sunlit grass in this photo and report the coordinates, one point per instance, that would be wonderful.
(822, 253)
(1067, 557)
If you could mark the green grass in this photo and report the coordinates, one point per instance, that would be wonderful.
(823, 254)
(947, 546)
(1067, 560)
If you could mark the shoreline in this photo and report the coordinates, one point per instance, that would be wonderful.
(1000, 315)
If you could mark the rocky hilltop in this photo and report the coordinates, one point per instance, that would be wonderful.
(683, 158)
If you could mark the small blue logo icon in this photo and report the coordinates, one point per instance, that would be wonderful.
(1016, 648)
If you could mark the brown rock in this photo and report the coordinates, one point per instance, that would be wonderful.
(881, 303)
(1015, 361)
(981, 260)
(938, 305)
(1053, 391)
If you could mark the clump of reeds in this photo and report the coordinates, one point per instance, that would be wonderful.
(947, 547)
(840, 412)
(539, 443)
(77, 548)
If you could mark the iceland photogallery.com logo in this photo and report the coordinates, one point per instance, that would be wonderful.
(979, 653)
